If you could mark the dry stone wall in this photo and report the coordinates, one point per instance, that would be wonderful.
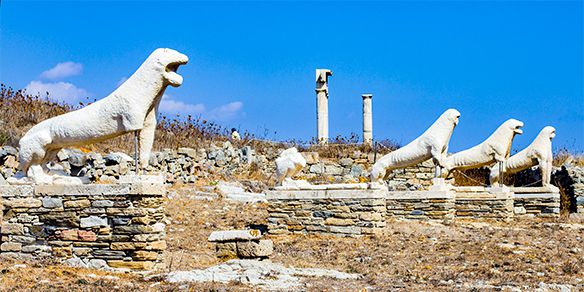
(421, 205)
(187, 165)
(338, 212)
(577, 175)
(483, 205)
(96, 226)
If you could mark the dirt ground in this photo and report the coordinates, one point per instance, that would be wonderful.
(469, 255)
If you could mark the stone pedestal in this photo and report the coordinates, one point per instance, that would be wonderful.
(422, 205)
(94, 226)
(536, 202)
(484, 203)
(327, 209)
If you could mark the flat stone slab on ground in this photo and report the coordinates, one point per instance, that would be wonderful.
(263, 274)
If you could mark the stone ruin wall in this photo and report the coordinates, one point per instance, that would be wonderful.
(95, 226)
(187, 165)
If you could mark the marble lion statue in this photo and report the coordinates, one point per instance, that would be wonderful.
(131, 107)
(288, 164)
(495, 149)
(433, 143)
(539, 152)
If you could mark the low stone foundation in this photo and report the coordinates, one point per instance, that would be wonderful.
(343, 212)
(478, 202)
(421, 205)
(96, 226)
(536, 202)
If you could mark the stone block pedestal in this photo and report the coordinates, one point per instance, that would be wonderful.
(536, 202)
(342, 210)
(95, 226)
(421, 205)
(484, 203)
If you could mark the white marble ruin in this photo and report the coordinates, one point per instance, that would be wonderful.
(288, 164)
(367, 119)
(495, 149)
(322, 104)
(433, 143)
(539, 152)
(131, 107)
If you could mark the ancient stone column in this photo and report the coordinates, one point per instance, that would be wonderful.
(367, 119)
(322, 104)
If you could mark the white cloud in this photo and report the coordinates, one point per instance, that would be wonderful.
(61, 91)
(172, 106)
(226, 112)
(63, 70)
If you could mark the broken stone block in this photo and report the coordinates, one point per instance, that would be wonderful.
(255, 249)
(226, 250)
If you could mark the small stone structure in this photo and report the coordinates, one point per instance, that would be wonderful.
(96, 226)
(481, 203)
(241, 244)
(342, 209)
(536, 202)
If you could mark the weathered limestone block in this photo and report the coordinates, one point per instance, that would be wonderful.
(51, 203)
(23, 203)
(234, 235)
(253, 249)
(10, 246)
(77, 204)
(12, 228)
(132, 265)
(93, 221)
(226, 249)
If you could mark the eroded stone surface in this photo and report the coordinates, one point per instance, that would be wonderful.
(262, 274)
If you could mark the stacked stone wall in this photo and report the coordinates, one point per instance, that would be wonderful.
(338, 212)
(187, 165)
(483, 205)
(537, 205)
(421, 205)
(98, 226)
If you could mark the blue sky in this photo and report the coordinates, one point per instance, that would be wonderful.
(252, 63)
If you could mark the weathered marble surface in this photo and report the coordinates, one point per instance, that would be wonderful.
(433, 143)
(495, 149)
(539, 152)
(131, 107)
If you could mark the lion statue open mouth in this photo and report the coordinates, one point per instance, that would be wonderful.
(131, 107)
